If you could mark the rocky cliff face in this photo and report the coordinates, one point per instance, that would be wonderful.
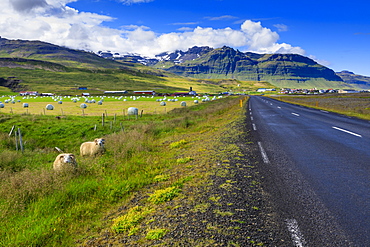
(282, 70)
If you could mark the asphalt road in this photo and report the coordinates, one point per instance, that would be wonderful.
(317, 168)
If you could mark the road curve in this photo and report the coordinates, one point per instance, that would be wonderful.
(317, 168)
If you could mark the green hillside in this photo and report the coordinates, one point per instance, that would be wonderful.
(281, 70)
(44, 67)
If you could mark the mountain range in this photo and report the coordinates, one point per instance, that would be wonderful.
(280, 70)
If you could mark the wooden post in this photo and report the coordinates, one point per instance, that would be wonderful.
(16, 140)
(102, 119)
(20, 139)
(83, 112)
(111, 125)
(95, 127)
(141, 114)
(115, 116)
(44, 111)
(62, 112)
(106, 114)
(121, 126)
(11, 131)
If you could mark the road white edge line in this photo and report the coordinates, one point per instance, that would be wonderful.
(296, 234)
(264, 155)
(347, 131)
(295, 114)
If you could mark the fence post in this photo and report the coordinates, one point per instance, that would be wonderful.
(102, 119)
(16, 140)
(11, 131)
(20, 139)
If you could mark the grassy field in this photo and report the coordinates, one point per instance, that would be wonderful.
(71, 106)
(40, 207)
(99, 80)
(355, 105)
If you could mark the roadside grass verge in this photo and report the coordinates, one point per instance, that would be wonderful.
(40, 207)
(355, 105)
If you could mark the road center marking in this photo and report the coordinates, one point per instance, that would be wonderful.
(296, 234)
(347, 131)
(295, 114)
(264, 154)
(254, 127)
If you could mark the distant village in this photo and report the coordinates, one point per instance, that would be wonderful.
(312, 91)
(193, 93)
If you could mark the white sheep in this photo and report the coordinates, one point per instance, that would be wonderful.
(92, 148)
(64, 161)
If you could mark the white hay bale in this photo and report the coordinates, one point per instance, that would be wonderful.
(83, 106)
(49, 107)
(132, 111)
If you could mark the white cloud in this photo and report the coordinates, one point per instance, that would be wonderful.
(53, 21)
(27, 5)
(320, 61)
(281, 27)
(135, 1)
(221, 18)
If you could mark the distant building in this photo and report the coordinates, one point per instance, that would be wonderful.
(82, 88)
(115, 92)
(347, 91)
(180, 94)
(32, 93)
(150, 92)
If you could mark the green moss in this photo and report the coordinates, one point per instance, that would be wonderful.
(165, 195)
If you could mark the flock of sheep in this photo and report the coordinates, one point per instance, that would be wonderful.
(68, 160)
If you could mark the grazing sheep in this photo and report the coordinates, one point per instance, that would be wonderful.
(92, 148)
(63, 161)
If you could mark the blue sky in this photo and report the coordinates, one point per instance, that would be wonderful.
(334, 33)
